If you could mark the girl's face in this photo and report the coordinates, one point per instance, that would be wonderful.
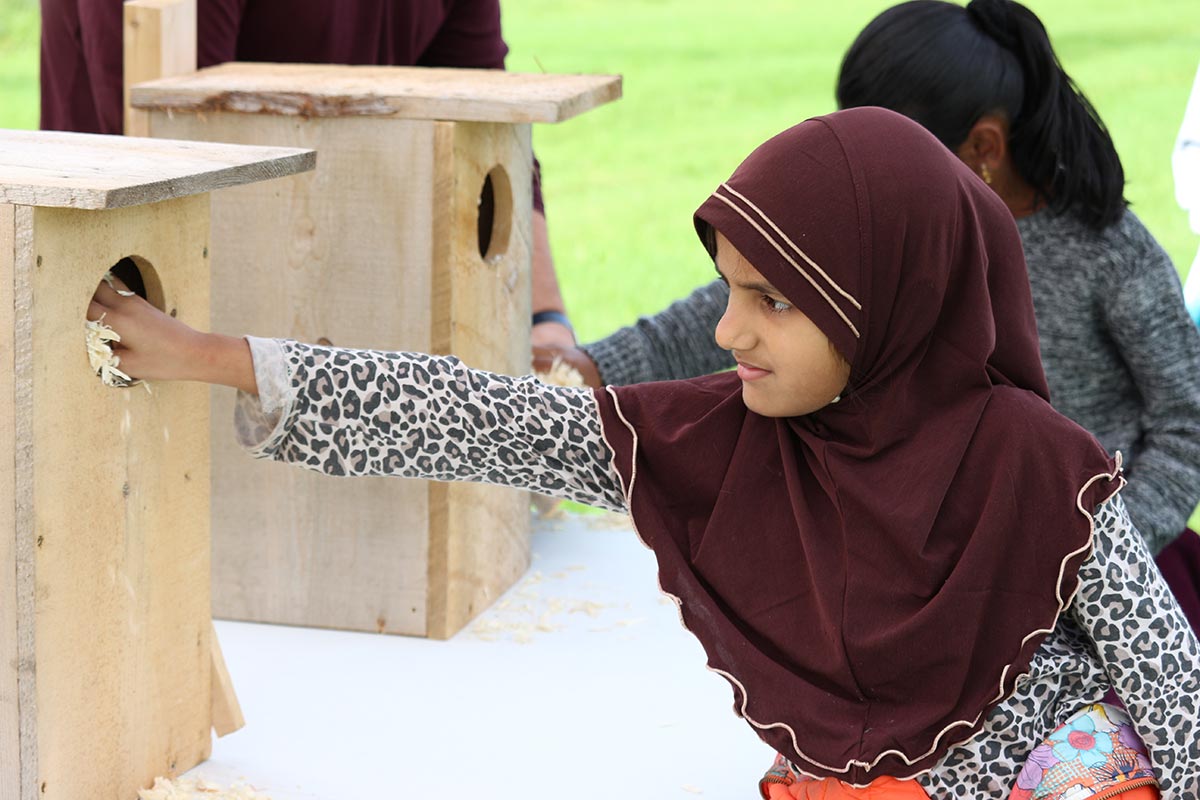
(787, 365)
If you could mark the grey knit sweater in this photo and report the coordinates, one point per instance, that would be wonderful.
(1122, 357)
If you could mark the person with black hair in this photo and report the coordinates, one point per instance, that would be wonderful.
(1121, 354)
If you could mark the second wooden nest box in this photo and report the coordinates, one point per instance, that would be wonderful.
(413, 233)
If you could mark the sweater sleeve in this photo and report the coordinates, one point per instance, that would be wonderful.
(675, 343)
(367, 412)
(1160, 344)
(1146, 646)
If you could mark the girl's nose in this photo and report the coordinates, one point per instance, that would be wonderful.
(732, 331)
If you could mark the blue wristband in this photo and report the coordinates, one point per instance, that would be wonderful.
(552, 316)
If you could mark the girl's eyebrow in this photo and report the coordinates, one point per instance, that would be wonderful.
(755, 286)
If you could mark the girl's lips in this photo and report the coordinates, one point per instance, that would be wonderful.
(748, 372)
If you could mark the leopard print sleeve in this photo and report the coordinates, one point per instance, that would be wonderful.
(1147, 648)
(369, 412)
(1122, 629)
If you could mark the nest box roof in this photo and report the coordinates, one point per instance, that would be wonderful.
(321, 90)
(82, 170)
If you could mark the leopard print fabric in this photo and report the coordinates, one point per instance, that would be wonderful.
(367, 412)
(1122, 630)
(1147, 647)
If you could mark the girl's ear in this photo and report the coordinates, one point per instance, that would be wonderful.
(985, 150)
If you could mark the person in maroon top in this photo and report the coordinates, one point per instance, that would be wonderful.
(82, 64)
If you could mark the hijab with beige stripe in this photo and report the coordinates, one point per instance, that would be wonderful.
(872, 577)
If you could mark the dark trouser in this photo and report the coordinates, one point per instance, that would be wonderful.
(81, 65)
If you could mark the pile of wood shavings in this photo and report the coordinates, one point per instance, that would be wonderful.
(98, 336)
(104, 361)
(526, 612)
(187, 789)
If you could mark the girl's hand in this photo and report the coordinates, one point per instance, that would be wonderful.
(157, 347)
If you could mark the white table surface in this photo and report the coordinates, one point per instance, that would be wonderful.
(581, 676)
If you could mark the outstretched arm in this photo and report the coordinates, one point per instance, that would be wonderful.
(368, 412)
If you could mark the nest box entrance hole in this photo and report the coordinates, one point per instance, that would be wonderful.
(495, 214)
(141, 278)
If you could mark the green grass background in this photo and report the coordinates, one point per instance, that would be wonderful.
(708, 80)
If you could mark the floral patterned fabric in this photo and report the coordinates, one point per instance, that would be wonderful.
(1096, 752)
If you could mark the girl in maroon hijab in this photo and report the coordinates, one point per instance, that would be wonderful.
(916, 576)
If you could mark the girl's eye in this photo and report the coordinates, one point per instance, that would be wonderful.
(775, 306)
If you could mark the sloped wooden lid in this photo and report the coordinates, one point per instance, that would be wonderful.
(84, 170)
(322, 90)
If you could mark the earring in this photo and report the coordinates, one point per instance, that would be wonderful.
(986, 174)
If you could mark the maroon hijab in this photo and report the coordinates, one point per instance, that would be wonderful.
(872, 577)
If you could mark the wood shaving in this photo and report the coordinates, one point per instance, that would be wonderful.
(109, 278)
(189, 789)
(561, 374)
(526, 612)
(104, 361)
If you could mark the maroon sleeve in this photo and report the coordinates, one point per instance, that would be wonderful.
(81, 66)
(217, 25)
(538, 203)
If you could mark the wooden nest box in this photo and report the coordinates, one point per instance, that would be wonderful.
(106, 674)
(413, 233)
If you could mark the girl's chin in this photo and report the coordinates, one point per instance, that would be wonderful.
(761, 402)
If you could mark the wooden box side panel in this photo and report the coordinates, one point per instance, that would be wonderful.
(120, 500)
(159, 42)
(15, 253)
(479, 534)
(340, 255)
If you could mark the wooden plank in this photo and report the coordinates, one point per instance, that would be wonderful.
(12, 251)
(226, 710)
(79, 170)
(342, 255)
(160, 42)
(478, 534)
(24, 264)
(119, 493)
(309, 90)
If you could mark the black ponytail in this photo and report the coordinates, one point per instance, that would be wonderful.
(945, 67)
